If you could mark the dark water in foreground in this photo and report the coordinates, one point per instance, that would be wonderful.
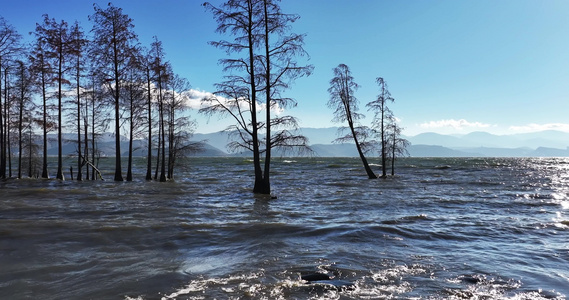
(442, 229)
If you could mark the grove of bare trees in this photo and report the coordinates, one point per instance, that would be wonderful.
(77, 83)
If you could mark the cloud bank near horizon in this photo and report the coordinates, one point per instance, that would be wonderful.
(533, 127)
(460, 125)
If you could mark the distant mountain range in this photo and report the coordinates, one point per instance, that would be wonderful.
(475, 144)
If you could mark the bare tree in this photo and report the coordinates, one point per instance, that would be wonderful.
(147, 66)
(238, 17)
(113, 41)
(24, 83)
(279, 69)
(180, 126)
(41, 65)
(98, 117)
(397, 146)
(58, 40)
(345, 105)
(381, 114)
(9, 45)
(134, 94)
(77, 47)
(264, 52)
(162, 74)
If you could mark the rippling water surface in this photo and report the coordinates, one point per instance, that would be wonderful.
(440, 229)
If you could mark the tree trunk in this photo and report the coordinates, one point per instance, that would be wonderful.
(8, 140)
(266, 187)
(20, 123)
(171, 139)
(118, 167)
(2, 135)
(259, 186)
(79, 156)
(162, 131)
(159, 151)
(86, 136)
(383, 145)
(369, 171)
(393, 152)
(59, 118)
(93, 130)
(131, 136)
(30, 145)
(44, 173)
(149, 159)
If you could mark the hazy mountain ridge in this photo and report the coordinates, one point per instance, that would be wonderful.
(475, 144)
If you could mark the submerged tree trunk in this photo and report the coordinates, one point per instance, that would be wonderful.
(44, 173)
(162, 132)
(79, 144)
(21, 122)
(30, 147)
(93, 130)
(266, 187)
(131, 136)
(86, 137)
(2, 139)
(59, 118)
(383, 148)
(367, 168)
(149, 156)
(259, 182)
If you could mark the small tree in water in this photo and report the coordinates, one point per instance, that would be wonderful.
(396, 145)
(380, 120)
(345, 105)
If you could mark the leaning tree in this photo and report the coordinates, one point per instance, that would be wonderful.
(345, 105)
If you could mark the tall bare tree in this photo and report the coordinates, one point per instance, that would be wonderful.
(58, 41)
(237, 95)
(148, 77)
(381, 115)
(162, 74)
(113, 42)
(345, 105)
(9, 46)
(24, 83)
(77, 45)
(265, 53)
(135, 101)
(41, 65)
(279, 69)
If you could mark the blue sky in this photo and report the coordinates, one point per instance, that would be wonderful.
(452, 66)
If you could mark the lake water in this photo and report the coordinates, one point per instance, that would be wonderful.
(450, 228)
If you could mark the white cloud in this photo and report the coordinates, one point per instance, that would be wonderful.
(194, 98)
(533, 127)
(454, 124)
